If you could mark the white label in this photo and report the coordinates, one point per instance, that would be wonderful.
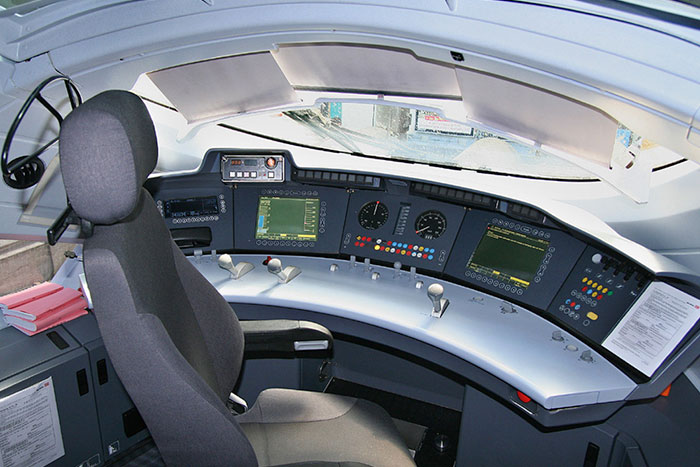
(30, 432)
(653, 327)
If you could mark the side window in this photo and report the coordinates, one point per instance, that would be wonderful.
(23, 264)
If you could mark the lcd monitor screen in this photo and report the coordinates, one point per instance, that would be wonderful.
(510, 257)
(294, 219)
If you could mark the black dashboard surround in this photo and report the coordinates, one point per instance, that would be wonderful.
(506, 249)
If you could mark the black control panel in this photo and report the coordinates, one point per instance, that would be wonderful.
(490, 245)
(597, 293)
(197, 209)
(526, 262)
(295, 219)
(411, 230)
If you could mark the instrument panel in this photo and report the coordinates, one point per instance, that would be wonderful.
(494, 246)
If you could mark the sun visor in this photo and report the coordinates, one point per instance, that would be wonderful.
(364, 69)
(225, 86)
(545, 118)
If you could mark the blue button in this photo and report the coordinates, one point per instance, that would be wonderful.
(405, 245)
(568, 300)
(432, 250)
(577, 307)
(589, 291)
(430, 257)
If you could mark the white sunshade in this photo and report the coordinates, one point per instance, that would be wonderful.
(225, 86)
(537, 115)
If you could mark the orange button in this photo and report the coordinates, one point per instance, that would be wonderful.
(523, 397)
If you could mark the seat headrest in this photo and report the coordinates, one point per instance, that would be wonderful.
(108, 148)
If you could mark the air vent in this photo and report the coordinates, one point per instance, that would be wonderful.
(454, 195)
(345, 179)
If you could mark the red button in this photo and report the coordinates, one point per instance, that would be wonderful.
(573, 304)
(523, 397)
(599, 297)
(584, 288)
(364, 239)
(388, 243)
(410, 247)
(357, 243)
(362, 244)
(369, 239)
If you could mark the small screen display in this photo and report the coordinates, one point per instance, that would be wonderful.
(191, 207)
(508, 256)
(287, 219)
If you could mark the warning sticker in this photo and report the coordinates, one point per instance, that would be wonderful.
(30, 432)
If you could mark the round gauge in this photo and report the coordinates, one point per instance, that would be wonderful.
(373, 215)
(431, 225)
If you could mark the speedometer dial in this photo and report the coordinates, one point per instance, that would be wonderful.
(373, 215)
(431, 225)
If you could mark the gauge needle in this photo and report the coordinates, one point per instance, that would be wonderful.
(375, 208)
(424, 228)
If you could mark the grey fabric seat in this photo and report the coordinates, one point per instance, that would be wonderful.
(174, 341)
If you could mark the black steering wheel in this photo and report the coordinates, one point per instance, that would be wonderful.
(26, 171)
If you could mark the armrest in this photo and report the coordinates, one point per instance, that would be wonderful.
(285, 335)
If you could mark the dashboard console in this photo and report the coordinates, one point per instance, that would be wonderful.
(259, 202)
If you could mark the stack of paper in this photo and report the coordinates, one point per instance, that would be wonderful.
(41, 307)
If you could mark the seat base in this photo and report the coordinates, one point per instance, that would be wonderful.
(300, 427)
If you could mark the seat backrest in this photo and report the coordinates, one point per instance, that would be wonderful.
(174, 341)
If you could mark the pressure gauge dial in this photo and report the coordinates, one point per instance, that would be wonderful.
(431, 225)
(373, 215)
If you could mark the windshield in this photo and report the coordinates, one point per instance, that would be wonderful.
(417, 135)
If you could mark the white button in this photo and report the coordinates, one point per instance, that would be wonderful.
(246, 174)
(253, 175)
(270, 175)
(239, 174)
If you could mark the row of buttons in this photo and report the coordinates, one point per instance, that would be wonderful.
(521, 228)
(250, 174)
(415, 251)
(494, 282)
(187, 220)
(595, 289)
(585, 298)
(285, 243)
(292, 193)
(575, 316)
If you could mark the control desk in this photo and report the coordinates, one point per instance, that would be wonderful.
(543, 307)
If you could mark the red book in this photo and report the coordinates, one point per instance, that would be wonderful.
(44, 305)
(59, 316)
(16, 299)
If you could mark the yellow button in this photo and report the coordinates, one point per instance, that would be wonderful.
(358, 237)
(595, 284)
(592, 316)
(589, 282)
(599, 287)
(376, 247)
(584, 279)
(420, 249)
(594, 294)
(403, 252)
(605, 290)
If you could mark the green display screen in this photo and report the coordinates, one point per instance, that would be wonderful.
(508, 256)
(293, 219)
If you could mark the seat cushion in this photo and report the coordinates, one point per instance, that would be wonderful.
(301, 427)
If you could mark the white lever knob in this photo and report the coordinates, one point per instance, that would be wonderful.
(225, 262)
(274, 266)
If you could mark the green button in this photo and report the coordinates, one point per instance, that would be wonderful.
(610, 293)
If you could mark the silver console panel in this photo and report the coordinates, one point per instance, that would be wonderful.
(521, 348)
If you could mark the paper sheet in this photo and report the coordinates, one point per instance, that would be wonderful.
(653, 327)
(30, 432)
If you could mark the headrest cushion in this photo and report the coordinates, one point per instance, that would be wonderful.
(108, 148)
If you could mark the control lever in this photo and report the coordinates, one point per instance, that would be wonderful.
(440, 304)
(237, 270)
(274, 266)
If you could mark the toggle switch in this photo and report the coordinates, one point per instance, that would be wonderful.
(435, 292)
(237, 270)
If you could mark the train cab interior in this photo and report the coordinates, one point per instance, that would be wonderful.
(326, 233)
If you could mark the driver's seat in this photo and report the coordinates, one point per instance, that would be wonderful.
(174, 341)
